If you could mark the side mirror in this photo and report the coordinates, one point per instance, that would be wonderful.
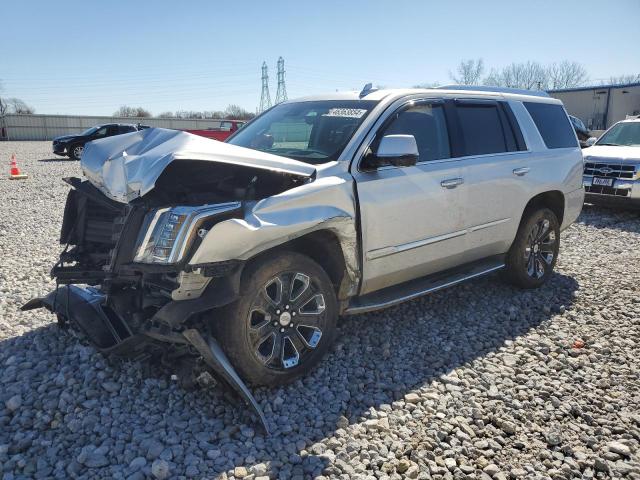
(396, 150)
(591, 141)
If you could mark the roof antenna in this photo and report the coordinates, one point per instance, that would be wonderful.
(368, 88)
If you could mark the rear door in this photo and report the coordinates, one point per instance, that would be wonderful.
(410, 216)
(494, 166)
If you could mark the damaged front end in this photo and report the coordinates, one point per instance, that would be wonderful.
(125, 277)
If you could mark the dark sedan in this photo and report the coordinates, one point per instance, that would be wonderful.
(72, 146)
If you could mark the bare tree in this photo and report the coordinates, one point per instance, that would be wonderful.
(624, 79)
(126, 111)
(237, 113)
(468, 72)
(166, 115)
(565, 74)
(16, 105)
(3, 105)
(530, 75)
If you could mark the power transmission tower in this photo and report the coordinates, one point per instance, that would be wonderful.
(265, 98)
(281, 94)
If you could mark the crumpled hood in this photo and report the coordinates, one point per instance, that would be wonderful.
(125, 167)
(611, 152)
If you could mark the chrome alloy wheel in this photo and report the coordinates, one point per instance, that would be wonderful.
(286, 320)
(540, 249)
(77, 151)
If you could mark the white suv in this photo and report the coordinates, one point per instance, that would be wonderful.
(612, 166)
(319, 207)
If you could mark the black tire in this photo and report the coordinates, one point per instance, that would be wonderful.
(533, 255)
(75, 151)
(262, 335)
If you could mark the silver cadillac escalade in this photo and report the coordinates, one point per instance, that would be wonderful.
(233, 261)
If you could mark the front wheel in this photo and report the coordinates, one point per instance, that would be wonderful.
(534, 252)
(284, 322)
(76, 151)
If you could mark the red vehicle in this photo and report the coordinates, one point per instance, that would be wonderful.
(221, 133)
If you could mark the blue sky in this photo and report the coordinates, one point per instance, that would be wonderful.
(91, 57)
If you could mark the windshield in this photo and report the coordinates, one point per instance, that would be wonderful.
(312, 132)
(89, 131)
(627, 134)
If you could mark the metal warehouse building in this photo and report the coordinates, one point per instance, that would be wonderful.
(46, 127)
(601, 106)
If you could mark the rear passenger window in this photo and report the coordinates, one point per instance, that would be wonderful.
(482, 128)
(426, 122)
(553, 124)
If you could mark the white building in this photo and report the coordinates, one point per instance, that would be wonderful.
(601, 106)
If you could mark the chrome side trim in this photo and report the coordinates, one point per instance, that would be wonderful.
(414, 295)
(385, 251)
(490, 224)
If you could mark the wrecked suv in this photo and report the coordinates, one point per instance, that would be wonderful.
(240, 256)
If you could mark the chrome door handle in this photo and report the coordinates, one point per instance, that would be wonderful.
(451, 182)
(521, 171)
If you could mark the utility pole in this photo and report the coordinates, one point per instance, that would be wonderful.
(265, 98)
(281, 94)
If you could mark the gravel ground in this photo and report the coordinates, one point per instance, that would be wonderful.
(479, 381)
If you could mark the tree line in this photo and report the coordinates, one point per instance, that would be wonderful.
(530, 75)
(232, 111)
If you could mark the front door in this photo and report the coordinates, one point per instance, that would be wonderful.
(410, 216)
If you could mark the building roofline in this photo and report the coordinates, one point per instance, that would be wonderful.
(595, 87)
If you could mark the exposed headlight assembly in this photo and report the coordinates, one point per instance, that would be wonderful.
(167, 232)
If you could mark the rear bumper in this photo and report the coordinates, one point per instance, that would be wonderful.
(573, 202)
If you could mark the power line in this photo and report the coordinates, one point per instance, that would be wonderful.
(265, 98)
(281, 94)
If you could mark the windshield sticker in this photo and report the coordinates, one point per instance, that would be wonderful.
(345, 112)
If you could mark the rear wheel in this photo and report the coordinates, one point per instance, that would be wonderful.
(284, 322)
(76, 151)
(534, 252)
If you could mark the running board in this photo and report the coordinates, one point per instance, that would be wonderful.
(390, 296)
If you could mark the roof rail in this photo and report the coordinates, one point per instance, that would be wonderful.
(483, 88)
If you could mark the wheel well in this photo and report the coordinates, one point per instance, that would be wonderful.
(553, 200)
(324, 248)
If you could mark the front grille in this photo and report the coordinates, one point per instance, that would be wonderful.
(611, 170)
(602, 190)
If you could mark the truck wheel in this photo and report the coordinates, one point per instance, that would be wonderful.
(534, 252)
(284, 322)
(75, 151)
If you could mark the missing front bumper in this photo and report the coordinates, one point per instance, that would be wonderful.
(85, 309)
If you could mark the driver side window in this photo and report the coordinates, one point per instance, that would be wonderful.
(101, 132)
(426, 122)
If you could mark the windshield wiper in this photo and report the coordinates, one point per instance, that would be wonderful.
(610, 144)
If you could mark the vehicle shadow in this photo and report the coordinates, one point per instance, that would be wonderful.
(378, 358)
(55, 159)
(609, 217)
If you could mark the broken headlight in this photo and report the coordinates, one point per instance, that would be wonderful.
(167, 232)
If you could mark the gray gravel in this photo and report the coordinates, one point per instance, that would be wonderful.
(479, 381)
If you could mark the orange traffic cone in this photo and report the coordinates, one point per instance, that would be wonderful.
(14, 171)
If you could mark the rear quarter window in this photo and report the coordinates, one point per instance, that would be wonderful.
(553, 124)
